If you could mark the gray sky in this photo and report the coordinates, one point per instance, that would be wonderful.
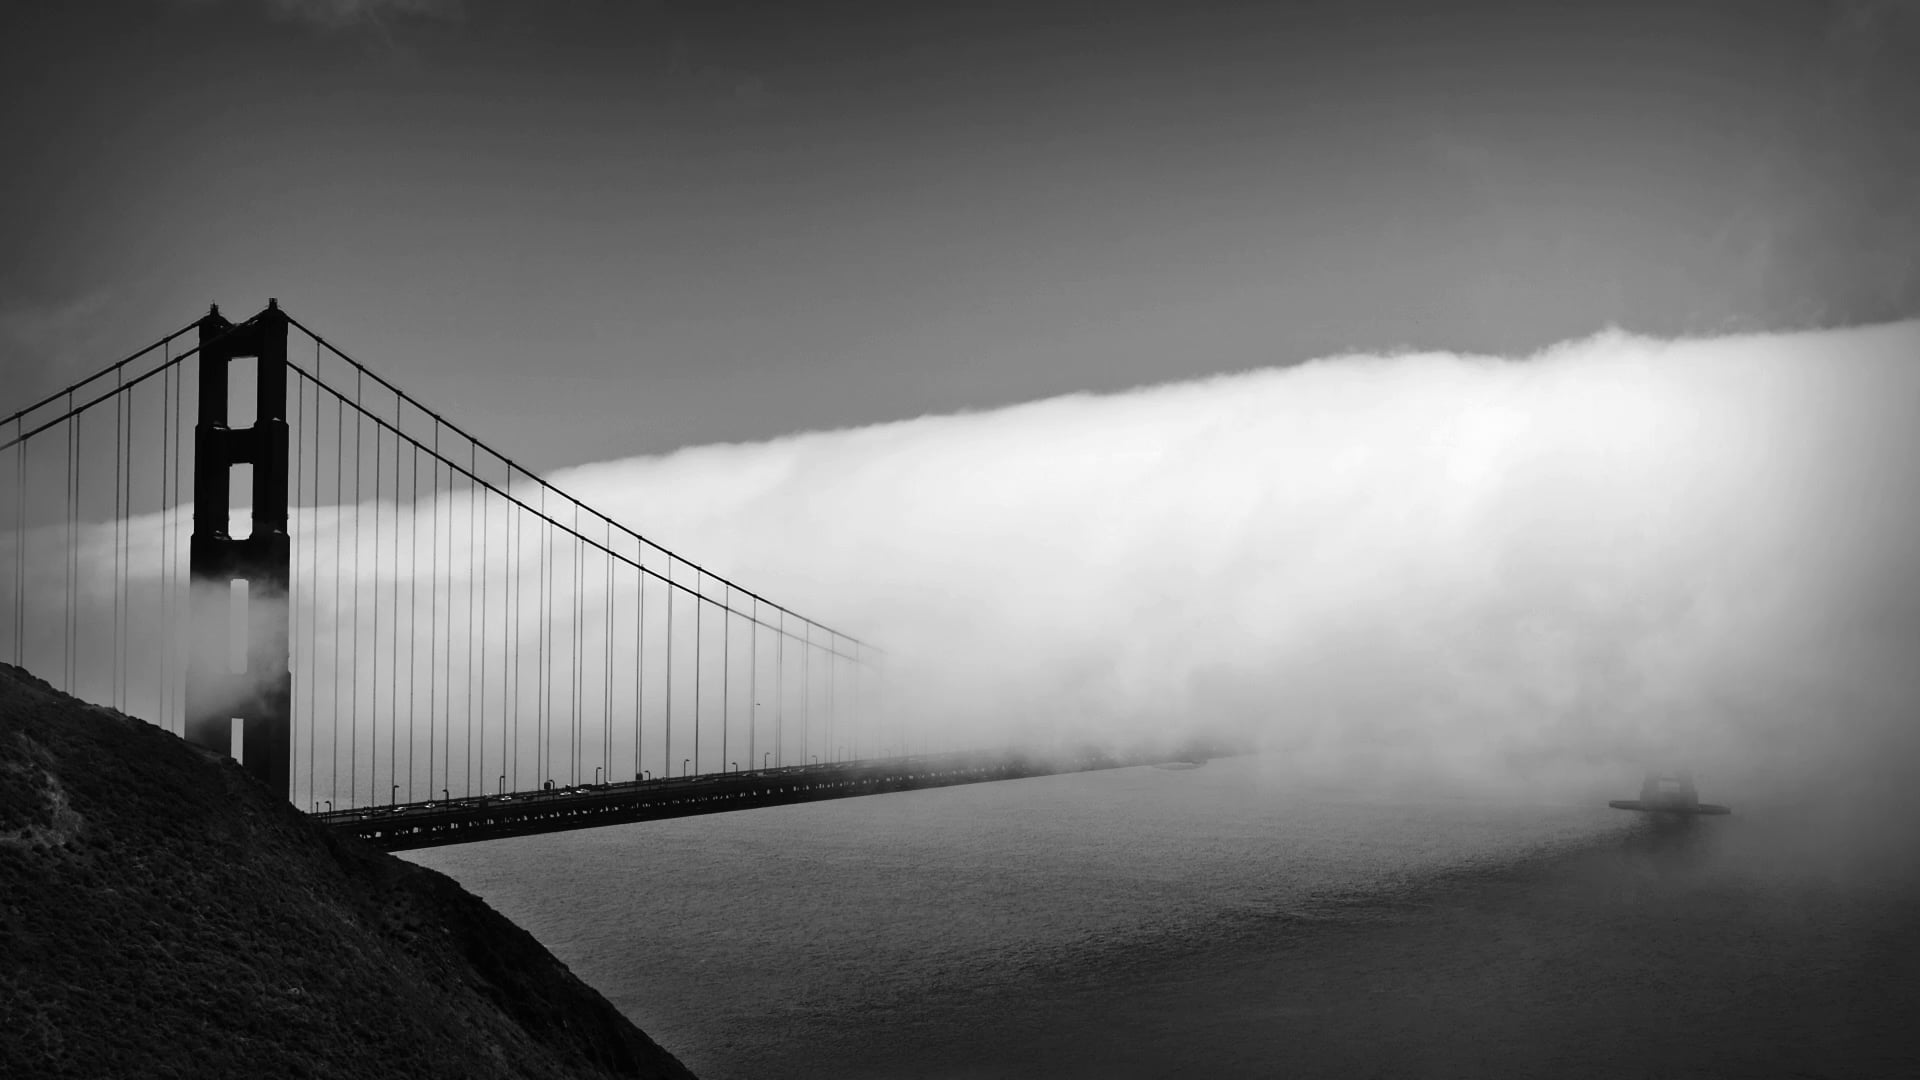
(591, 230)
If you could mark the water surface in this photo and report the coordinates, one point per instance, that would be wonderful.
(860, 935)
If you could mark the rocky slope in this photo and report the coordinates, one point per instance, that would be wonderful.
(163, 915)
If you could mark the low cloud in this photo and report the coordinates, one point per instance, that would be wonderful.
(1619, 551)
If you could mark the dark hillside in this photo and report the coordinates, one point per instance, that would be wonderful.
(163, 915)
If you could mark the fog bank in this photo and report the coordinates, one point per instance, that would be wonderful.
(1620, 551)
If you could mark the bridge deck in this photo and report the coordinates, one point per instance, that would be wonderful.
(404, 826)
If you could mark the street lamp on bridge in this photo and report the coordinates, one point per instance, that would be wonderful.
(684, 763)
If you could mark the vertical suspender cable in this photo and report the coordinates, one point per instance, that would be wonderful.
(433, 605)
(66, 626)
(486, 569)
(699, 672)
(179, 433)
(753, 684)
(509, 638)
(182, 544)
(169, 550)
(726, 666)
(313, 590)
(126, 561)
(353, 638)
(606, 666)
(166, 431)
(373, 680)
(667, 764)
(640, 652)
(301, 673)
(126, 564)
(640, 644)
(113, 674)
(313, 579)
(297, 547)
(543, 760)
(466, 675)
(519, 554)
(20, 548)
(578, 766)
(573, 640)
(19, 540)
(339, 612)
(577, 651)
(806, 693)
(160, 563)
(73, 560)
(393, 643)
(413, 613)
(780, 691)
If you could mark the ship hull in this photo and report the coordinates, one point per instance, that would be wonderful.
(1662, 808)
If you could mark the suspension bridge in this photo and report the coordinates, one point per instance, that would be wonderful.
(251, 539)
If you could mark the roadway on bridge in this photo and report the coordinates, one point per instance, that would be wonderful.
(404, 826)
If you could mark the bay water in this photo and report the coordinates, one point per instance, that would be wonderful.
(848, 937)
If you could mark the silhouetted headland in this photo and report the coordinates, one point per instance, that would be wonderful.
(162, 914)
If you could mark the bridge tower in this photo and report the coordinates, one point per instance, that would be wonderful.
(257, 700)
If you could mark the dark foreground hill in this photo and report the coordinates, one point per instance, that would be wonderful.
(161, 914)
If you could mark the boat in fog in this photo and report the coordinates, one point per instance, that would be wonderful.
(1669, 793)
